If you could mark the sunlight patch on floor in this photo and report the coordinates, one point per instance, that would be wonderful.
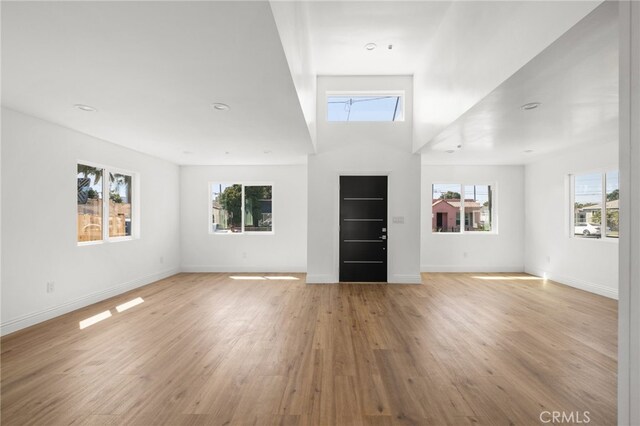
(505, 278)
(246, 277)
(129, 304)
(94, 319)
(265, 277)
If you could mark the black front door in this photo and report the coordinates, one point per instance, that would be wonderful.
(363, 228)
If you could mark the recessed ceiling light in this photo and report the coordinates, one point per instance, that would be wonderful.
(528, 151)
(227, 152)
(450, 151)
(187, 152)
(86, 108)
(267, 152)
(370, 46)
(390, 46)
(530, 106)
(221, 107)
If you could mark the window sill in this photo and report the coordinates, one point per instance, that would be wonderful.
(89, 243)
(241, 233)
(99, 242)
(362, 122)
(120, 239)
(607, 240)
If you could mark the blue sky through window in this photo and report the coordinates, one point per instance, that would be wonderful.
(588, 189)
(364, 108)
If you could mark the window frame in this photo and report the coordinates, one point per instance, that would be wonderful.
(243, 184)
(135, 205)
(603, 204)
(494, 208)
(346, 93)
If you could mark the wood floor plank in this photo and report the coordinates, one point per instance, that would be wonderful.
(202, 349)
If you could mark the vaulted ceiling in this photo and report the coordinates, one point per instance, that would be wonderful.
(153, 69)
(575, 83)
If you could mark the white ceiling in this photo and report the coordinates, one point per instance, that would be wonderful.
(576, 81)
(477, 47)
(339, 31)
(457, 52)
(153, 69)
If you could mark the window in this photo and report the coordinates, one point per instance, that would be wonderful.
(477, 207)
(451, 202)
(229, 201)
(257, 208)
(89, 203)
(119, 205)
(595, 195)
(365, 108)
(446, 208)
(611, 204)
(94, 211)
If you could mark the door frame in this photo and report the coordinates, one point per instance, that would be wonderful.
(336, 217)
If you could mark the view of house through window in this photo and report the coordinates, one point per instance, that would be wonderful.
(91, 204)
(228, 201)
(477, 206)
(595, 195)
(451, 202)
(446, 208)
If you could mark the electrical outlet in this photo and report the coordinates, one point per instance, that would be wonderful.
(51, 286)
(244, 254)
(465, 254)
(548, 259)
(161, 259)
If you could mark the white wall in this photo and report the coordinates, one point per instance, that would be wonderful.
(629, 301)
(364, 148)
(39, 223)
(500, 252)
(589, 264)
(283, 251)
(292, 22)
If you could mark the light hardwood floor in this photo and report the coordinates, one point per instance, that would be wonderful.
(205, 349)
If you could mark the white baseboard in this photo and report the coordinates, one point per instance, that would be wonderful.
(33, 318)
(405, 279)
(241, 269)
(465, 268)
(600, 289)
(321, 279)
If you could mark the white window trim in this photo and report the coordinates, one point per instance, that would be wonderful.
(603, 202)
(135, 205)
(243, 184)
(494, 209)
